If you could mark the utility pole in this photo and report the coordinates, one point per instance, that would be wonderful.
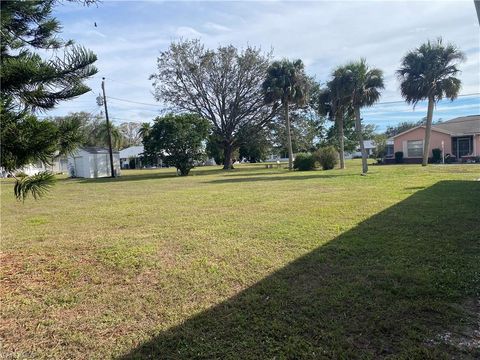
(108, 129)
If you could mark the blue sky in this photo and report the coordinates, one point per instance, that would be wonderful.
(324, 34)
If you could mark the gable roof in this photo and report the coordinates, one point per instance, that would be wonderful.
(461, 125)
(422, 127)
(464, 125)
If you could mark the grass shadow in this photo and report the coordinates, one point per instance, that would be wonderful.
(146, 175)
(149, 174)
(384, 289)
(313, 175)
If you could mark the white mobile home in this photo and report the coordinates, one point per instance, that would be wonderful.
(92, 162)
(57, 166)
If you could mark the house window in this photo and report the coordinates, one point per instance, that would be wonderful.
(389, 151)
(415, 148)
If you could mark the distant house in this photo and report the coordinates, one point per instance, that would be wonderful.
(370, 147)
(58, 166)
(92, 162)
(459, 137)
(130, 158)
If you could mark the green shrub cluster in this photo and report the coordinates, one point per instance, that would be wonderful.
(327, 157)
(304, 162)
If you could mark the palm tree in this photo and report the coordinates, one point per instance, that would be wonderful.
(428, 73)
(363, 85)
(287, 83)
(144, 130)
(333, 102)
(117, 138)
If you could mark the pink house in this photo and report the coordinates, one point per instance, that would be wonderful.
(459, 137)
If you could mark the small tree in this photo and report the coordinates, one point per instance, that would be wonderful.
(428, 73)
(288, 84)
(178, 140)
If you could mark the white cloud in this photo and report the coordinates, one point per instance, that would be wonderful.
(324, 34)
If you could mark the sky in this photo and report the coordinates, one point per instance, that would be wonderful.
(324, 34)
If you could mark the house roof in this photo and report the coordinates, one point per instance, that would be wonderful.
(96, 150)
(132, 151)
(460, 125)
(464, 125)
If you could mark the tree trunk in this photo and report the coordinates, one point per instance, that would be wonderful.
(227, 154)
(341, 141)
(358, 128)
(428, 130)
(289, 138)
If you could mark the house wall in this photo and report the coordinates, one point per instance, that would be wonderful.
(476, 146)
(399, 143)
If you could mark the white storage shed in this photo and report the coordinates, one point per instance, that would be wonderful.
(92, 162)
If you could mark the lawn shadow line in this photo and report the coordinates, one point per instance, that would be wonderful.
(374, 291)
(314, 175)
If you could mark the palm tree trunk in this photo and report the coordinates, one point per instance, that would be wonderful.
(341, 141)
(289, 137)
(358, 128)
(428, 130)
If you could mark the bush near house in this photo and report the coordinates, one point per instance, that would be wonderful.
(437, 156)
(399, 157)
(304, 162)
(327, 157)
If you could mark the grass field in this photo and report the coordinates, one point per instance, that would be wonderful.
(252, 263)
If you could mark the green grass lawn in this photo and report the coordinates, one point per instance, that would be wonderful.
(252, 263)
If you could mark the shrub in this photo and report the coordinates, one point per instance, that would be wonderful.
(399, 157)
(437, 155)
(304, 162)
(327, 157)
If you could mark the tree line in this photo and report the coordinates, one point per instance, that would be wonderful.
(242, 94)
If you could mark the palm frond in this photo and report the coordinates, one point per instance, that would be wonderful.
(36, 185)
(429, 70)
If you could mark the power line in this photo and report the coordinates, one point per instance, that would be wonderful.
(131, 101)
